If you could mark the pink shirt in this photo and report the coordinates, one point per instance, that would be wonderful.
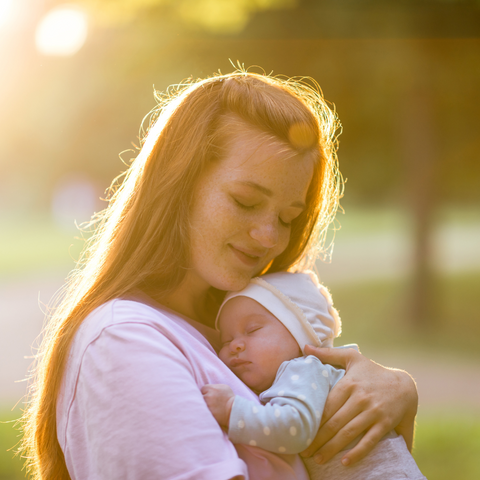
(131, 406)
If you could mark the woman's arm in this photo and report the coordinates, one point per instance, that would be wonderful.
(370, 398)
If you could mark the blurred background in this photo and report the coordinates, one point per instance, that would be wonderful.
(76, 80)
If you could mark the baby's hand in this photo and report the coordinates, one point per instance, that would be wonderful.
(219, 399)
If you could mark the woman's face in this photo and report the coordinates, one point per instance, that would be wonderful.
(242, 209)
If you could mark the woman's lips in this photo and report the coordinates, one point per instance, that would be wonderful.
(245, 256)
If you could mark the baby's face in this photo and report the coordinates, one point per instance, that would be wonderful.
(254, 342)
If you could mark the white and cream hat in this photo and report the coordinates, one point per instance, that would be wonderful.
(299, 301)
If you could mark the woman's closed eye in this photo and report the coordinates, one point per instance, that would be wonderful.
(285, 224)
(289, 215)
(286, 221)
(243, 204)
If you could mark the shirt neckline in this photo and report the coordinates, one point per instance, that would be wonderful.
(210, 334)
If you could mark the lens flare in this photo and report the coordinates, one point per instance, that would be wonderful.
(5, 11)
(62, 31)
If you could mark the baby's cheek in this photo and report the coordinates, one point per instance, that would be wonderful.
(223, 355)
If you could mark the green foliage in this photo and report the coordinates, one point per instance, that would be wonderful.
(86, 109)
(215, 16)
(447, 446)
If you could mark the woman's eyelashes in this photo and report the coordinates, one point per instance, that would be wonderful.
(244, 205)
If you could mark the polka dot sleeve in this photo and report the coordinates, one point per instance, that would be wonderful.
(293, 406)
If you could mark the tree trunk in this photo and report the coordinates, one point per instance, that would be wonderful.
(420, 151)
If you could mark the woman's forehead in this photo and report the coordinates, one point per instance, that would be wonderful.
(254, 144)
(267, 162)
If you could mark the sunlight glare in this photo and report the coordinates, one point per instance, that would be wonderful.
(5, 11)
(62, 31)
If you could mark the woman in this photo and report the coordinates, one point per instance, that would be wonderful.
(236, 177)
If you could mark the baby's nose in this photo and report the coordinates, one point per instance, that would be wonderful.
(237, 346)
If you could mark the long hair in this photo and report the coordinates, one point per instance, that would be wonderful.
(142, 239)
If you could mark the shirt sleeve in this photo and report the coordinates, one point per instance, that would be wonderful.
(142, 415)
(290, 419)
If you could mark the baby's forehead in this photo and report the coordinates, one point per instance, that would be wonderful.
(242, 310)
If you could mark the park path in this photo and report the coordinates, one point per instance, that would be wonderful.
(443, 382)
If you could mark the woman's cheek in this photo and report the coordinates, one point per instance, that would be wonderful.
(282, 244)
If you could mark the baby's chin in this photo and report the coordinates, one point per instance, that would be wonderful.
(258, 386)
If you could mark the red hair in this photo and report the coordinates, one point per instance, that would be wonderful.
(142, 237)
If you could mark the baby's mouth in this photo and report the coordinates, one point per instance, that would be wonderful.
(237, 362)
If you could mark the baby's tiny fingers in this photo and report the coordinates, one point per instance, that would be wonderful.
(206, 388)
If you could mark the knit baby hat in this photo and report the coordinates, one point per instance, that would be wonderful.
(299, 301)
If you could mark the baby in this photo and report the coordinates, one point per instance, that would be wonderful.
(264, 330)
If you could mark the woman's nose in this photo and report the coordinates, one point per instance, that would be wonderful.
(266, 233)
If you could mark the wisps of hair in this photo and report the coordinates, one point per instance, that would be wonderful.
(142, 239)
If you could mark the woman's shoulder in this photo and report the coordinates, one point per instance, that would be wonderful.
(121, 311)
(121, 316)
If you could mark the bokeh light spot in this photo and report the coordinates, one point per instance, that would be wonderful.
(5, 11)
(62, 31)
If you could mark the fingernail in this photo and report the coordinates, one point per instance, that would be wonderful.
(346, 461)
(318, 459)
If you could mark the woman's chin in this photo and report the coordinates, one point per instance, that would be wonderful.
(232, 283)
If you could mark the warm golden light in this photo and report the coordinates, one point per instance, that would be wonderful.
(62, 31)
(5, 11)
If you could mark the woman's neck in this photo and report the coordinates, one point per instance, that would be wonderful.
(191, 299)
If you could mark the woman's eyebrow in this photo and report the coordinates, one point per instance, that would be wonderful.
(266, 191)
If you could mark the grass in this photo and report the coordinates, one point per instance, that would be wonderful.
(10, 465)
(374, 313)
(446, 447)
(36, 244)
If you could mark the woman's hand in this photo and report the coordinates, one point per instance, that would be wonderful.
(370, 398)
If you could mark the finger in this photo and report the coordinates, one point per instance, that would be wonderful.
(334, 356)
(205, 389)
(332, 426)
(364, 446)
(344, 436)
(336, 399)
